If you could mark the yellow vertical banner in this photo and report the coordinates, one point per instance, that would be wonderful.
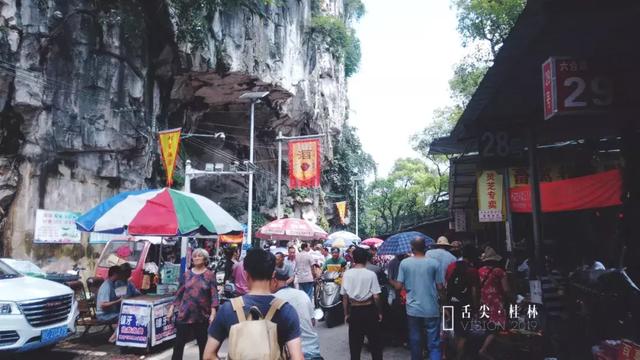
(169, 141)
(342, 210)
(490, 197)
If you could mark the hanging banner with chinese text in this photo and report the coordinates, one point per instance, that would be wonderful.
(169, 141)
(490, 197)
(342, 210)
(304, 164)
(586, 192)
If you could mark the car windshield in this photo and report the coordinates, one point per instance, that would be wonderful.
(7, 272)
(118, 252)
(24, 267)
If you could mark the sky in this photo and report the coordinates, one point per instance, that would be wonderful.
(409, 49)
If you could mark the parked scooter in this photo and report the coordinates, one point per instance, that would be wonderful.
(330, 300)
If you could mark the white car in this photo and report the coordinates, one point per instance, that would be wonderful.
(34, 313)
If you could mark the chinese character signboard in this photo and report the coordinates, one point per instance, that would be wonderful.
(169, 141)
(163, 325)
(460, 220)
(56, 227)
(133, 326)
(304, 164)
(490, 197)
(574, 85)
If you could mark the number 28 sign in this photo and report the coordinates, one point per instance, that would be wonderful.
(572, 85)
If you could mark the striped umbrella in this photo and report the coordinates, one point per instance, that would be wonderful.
(401, 243)
(291, 229)
(160, 212)
(341, 239)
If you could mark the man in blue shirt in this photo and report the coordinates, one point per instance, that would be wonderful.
(108, 304)
(259, 268)
(419, 276)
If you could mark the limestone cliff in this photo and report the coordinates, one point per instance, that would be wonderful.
(85, 85)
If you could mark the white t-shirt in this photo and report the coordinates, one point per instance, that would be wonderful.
(360, 284)
(301, 302)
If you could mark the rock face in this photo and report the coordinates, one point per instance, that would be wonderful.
(85, 85)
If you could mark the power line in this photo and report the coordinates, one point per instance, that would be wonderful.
(226, 156)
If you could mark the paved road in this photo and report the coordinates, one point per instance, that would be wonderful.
(334, 344)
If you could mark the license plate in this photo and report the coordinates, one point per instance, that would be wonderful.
(53, 334)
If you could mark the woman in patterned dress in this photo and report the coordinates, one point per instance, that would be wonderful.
(196, 303)
(494, 289)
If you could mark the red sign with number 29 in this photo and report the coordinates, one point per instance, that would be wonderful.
(572, 85)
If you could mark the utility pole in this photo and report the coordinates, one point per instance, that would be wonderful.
(355, 182)
(254, 97)
(280, 139)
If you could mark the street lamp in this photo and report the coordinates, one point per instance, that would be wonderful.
(254, 97)
(355, 180)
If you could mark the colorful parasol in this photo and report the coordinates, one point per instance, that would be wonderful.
(372, 242)
(160, 212)
(338, 243)
(291, 229)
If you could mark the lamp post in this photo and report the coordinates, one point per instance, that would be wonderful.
(355, 183)
(254, 97)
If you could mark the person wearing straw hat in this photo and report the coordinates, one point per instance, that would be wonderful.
(442, 255)
(494, 290)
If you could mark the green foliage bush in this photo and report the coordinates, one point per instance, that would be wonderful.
(194, 16)
(338, 39)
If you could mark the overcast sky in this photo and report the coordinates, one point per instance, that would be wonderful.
(409, 48)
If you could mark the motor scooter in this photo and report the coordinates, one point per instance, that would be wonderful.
(330, 300)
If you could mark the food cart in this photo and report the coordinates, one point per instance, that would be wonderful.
(145, 320)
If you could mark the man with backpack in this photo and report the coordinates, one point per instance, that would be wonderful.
(257, 324)
(463, 293)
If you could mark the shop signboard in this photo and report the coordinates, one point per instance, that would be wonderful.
(460, 218)
(133, 327)
(571, 85)
(56, 227)
(163, 325)
(490, 197)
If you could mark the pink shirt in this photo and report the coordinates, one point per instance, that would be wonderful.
(304, 261)
(239, 278)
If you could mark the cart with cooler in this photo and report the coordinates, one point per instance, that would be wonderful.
(154, 215)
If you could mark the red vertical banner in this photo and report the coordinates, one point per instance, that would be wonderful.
(304, 164)
(169, 141)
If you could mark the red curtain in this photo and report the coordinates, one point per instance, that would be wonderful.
(587, 192)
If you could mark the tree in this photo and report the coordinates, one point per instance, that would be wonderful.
(402, 198)
(487, 20)
(349, 161)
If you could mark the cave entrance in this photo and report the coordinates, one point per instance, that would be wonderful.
(209, 104)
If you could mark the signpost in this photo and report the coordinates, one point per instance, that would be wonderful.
(571, 85)
(56, 227)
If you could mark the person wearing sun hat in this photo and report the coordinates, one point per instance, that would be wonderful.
(442, 255)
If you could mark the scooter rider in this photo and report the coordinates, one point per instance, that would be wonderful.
(335, 262)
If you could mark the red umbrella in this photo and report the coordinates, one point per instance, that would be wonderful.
(372, 242)
(291, 229)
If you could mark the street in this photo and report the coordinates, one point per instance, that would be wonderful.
(334, 344)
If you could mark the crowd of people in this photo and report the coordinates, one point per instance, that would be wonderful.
(389, 300)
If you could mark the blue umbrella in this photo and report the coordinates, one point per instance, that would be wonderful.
(401, 243)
